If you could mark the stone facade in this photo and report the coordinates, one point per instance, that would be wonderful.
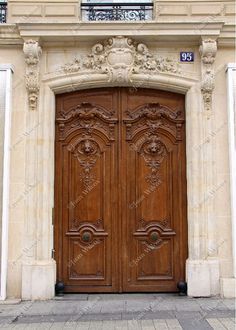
(53, 51)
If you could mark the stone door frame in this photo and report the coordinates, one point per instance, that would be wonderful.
(202, 266)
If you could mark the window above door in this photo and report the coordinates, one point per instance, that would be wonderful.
(117, 10)
(3, 11)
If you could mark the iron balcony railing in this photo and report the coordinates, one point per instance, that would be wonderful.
(3, 12)
(117, 11)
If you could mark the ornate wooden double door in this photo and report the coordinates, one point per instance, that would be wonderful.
(120, 190)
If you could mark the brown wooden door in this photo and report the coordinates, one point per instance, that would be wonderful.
(120, 190)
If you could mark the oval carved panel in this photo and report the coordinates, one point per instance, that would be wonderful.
(88, 232)
(153, 233)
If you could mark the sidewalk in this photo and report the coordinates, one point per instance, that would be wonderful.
(120, 311)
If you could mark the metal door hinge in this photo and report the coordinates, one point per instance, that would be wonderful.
(53, 216)
(53, 253)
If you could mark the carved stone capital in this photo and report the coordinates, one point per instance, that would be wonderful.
(208, 51)
(32, 52)
(121, 58)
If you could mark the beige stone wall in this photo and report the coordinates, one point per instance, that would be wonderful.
(220, 139)
(17, 171)
(185, 10)
(2, 121)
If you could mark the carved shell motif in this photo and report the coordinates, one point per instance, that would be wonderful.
(121, 57)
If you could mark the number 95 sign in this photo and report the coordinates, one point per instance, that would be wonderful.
(186, 57)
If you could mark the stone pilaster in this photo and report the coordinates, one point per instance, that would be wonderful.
(203, 267)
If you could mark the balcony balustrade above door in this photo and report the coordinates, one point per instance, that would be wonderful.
(117, 11)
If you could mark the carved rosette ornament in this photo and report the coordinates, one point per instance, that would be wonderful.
(32, 52)
(208, 51)
(121, 58)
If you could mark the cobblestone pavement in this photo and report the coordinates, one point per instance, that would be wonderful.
(120, 311)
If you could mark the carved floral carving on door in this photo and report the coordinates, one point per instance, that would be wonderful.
(153, 151)
(146, 128)
(87, 152)
(150, 120)
(90, 130)
(91, 119)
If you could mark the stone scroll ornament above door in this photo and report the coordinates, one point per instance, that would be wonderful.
(32, 52)
(120, 58)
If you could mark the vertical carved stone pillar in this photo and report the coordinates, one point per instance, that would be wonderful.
(32, 52)
(208, 51)
(203, 267)
(38, 271)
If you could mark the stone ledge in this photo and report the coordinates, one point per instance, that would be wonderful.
(149, 29)
(228, 287)
(10, 301)
(167, 32)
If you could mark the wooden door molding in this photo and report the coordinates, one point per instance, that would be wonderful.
(131, 145)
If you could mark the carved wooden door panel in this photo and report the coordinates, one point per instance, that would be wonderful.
(86, 190)
(154, 224)
(120, 190)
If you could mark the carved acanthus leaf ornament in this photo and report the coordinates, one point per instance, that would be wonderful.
(208, 51)
(121, 57)
(32, 52)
